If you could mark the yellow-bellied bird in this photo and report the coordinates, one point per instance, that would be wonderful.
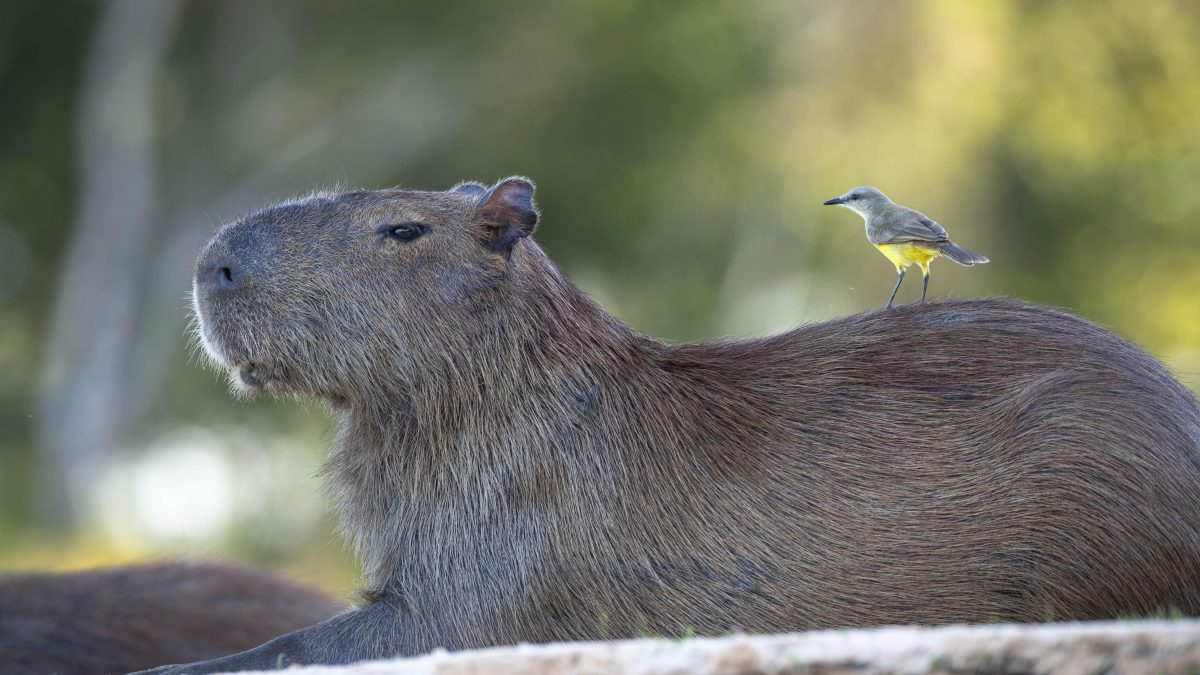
(906, 237)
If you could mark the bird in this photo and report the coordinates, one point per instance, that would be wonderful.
(904, 236)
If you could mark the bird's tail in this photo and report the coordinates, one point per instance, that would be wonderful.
(961, 255)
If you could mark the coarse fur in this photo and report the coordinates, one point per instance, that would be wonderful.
(514, 464)
(114, 620)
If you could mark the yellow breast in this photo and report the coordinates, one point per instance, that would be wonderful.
(909, 253)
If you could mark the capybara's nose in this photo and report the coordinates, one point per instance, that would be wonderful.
(233, 259)
(218, 273)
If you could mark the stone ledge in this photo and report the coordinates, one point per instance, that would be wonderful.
(1083, 648)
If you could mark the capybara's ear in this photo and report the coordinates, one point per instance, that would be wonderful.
(507, 213)
(470, 188)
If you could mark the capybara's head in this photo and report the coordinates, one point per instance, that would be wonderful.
(337, 294)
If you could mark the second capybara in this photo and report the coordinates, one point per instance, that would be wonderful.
(118, 619)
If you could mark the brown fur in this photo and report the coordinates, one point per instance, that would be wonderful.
(514, 464)
(127, 618)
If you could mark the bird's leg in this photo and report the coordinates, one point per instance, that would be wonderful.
(898, 281)
(925, 288)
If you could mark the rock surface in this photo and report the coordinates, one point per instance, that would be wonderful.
(1080, 648)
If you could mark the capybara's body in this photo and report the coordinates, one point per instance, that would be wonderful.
(115, 620)
(513, 464)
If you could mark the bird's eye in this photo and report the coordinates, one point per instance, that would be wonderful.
(404, 231)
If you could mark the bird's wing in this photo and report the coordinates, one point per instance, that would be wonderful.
(912, 227)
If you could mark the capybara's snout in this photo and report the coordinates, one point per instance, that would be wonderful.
(236, 257)
(219, 272)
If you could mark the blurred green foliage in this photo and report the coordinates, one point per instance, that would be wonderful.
(681, 150)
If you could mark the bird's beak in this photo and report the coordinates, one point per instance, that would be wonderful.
(835, 201)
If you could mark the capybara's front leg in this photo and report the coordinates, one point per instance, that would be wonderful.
(371, 632)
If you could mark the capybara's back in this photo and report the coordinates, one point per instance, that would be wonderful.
(960, 461)
(123, 619)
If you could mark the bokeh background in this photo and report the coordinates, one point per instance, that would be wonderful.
(681, 150)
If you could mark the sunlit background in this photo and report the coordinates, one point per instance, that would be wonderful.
(681, 150)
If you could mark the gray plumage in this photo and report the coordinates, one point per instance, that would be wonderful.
(888, 223)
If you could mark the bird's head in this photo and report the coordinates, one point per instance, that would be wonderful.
(865, 201)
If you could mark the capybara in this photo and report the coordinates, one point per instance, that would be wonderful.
(115, 620)
(513, 464)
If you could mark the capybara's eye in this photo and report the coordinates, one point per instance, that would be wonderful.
(405, 231)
